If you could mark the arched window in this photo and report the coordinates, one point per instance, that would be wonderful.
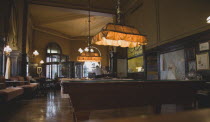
(53, 59)
(53, 48)
(53, 53)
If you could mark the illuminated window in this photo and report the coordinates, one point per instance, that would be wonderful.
(135, 59)
(53, 59)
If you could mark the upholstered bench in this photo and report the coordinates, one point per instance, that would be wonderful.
(2, 86)
(8, 94)
(30, 88)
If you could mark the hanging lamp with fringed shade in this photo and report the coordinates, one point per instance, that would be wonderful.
(89, 54)
(89, 57)
(119, 35)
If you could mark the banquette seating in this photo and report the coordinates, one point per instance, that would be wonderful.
(7, 94)
(29, 88)
(22, 88)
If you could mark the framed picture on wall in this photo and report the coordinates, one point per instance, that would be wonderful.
(204, 46)
(39, 70)
(202, 61)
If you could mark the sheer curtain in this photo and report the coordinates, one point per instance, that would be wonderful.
(8, 65)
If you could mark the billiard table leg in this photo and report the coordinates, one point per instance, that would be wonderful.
(81, 116)
(157, 108)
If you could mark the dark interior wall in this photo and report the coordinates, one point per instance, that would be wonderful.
(190, 44)
(11, 30)
(11, 22)
(4, 16)
(164, 21)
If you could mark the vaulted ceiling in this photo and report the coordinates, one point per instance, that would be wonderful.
(67, 22)
(105, 6)
(69, 18)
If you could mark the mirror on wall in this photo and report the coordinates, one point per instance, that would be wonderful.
(172, 65)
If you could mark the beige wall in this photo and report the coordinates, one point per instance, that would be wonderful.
(168, 20)
(69, 47)
(41, 40)
(29, 36)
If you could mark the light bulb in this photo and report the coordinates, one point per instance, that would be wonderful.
(91, 50)
(86, 49)
(208, 20)
(80, 50)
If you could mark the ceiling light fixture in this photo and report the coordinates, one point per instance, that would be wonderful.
(7, 50)
(35, 53)
(119, 35)
(88, 54)
(41, 62)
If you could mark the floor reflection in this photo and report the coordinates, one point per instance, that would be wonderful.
(50, 108)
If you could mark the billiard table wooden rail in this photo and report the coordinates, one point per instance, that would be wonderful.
(86, 96)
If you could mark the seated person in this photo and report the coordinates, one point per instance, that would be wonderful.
(98, 72)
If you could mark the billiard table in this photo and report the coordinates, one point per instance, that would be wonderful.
(98, 94)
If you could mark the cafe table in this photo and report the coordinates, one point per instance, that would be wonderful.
(15, 83)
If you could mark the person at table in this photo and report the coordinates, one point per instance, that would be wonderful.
(98, 72)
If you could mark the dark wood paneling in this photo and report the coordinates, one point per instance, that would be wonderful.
(24, 38)
(137, 75)
(152, 67)
(187, 43)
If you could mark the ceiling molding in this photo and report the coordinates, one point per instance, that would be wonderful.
(71, 6)
(52, 32)
(60, 19)
(132, 6)
(75, 14)
(92, 27)
(59, 34)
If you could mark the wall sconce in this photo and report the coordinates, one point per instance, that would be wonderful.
(35, 53)
(7, 50)
(41, 62)
(208, 20)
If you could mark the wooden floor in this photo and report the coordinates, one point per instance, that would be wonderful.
(54, 108)
(49, 108)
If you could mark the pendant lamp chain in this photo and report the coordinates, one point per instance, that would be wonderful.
(118, 12)
(88, 54)
(119, 35)
(89, 25)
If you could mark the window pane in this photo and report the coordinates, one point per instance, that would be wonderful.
(48, 59)
(48, 50)
(136, 64)
(136, 51)
(53, 55)
(54, 71)
(54, 51)
(48, 71)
